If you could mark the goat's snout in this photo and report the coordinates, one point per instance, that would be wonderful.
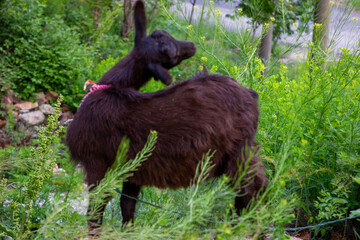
(187, 49)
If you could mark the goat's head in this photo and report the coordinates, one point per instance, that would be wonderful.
(159, 50)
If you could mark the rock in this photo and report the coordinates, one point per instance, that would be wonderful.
(55, 169)
(304, 235)
(51, 95)
(32, 118)
(26, 105)
(34, 136)
(40, 97)
(15, 113)
(65, 107)
(9, 99)
(22, 111)
(2, 123)
(66, 116)
(46, 109)
(5, 87)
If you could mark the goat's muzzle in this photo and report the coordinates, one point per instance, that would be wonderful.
(187, 49)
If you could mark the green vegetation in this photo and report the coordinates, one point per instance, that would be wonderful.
(309, 130)
(356, 4)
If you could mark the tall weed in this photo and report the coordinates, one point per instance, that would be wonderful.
(21, 217)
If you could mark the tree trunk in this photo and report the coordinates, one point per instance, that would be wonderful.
(321, 16)
(128, 20)
(191, 15)
(265, 44)
(96, 13)
(321, 31)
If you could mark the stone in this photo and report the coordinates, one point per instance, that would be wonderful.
(40, 97)
(9, 99)
(34, 136)
(15, 113)
(32, 118)
(65, 108)
(66, 116)
(2, 123)
(51, 95)
(5, 87)
(24, 111)
(26, 105)
(47, 109)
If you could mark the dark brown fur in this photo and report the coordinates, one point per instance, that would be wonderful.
(191, 117)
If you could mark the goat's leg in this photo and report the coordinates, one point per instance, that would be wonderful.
(252, 184)
(127, 204)
(95, 209)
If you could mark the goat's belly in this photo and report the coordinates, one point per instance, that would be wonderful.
(164, 175)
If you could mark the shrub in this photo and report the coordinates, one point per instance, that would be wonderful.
(42, 53)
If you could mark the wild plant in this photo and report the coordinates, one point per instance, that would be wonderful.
(40, 166)
(119, 172)
(309, 121)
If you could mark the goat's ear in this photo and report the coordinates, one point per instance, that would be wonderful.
(160, 73)
(140, 21)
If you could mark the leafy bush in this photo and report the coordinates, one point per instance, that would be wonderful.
(42, 53)
(309, 129)
(21, 210)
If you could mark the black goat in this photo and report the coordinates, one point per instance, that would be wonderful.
(191, 117)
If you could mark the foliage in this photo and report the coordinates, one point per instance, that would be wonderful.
(332, 205)
(308, 129)
(309, 115)
(41, 53)
(23, 208)
(317, 108)
(102, 67)
(16, 135)
(355, 4)
(287, 16)
(44, 50)
(121, 169)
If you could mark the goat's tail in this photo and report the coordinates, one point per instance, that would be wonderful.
(202, 71)
(254, 94)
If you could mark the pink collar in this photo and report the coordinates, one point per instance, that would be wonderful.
(95, 87)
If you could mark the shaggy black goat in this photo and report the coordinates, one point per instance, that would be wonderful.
(191, 117)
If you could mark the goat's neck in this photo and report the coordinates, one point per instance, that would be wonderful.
(130, 72)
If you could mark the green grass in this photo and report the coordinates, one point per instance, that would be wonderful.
(356, 4)
(309, 133)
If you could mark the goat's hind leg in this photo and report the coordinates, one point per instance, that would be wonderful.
(253, 183)
(128, 204)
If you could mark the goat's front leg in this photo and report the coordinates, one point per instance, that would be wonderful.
(96, 208)
(127, 204)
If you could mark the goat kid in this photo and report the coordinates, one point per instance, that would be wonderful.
(92, 128)
(191, 117)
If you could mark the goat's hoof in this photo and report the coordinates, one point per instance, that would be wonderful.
(94, 232)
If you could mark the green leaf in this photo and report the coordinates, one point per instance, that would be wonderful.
(355, 213)
(357, 179)
(5, 230)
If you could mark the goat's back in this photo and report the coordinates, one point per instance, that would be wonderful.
(191, 117)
